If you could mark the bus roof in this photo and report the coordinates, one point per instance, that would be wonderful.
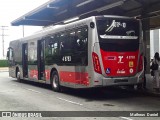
(61, 27)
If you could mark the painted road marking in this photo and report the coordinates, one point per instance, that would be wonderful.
(27, 89)
(33, 90)
(126, 118)
(70, 101)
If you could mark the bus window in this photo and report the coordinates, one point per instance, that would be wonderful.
(118, 34)
(31, 52)
(10, 54)
(74, 47)
(65, 44)
(51, 49)
(81, 46)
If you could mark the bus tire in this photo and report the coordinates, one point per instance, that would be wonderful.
(18, 76)
(55, 82)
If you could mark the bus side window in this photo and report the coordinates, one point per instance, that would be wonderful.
(64, 43)
(74, 46)
(51, 49)
(10, 54)
(81, 44)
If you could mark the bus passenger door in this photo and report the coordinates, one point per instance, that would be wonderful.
(25, 59)
(41, 65)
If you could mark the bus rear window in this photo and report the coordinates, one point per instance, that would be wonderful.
(119, 45)
(118, 27)
(117, 34)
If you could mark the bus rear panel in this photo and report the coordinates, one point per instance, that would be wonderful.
(117, 54)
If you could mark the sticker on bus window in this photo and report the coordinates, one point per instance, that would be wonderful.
(66, 58)
(108, 71)
(116, 24)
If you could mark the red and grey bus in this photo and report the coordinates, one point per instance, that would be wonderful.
(97, 51)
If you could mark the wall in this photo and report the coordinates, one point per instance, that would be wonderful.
(154, 42)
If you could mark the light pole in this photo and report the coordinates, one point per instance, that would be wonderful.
(23, 30)
(3, 35)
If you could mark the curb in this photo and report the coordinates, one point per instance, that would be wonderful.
(3, 70)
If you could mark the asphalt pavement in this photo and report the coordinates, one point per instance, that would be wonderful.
(31, 96)
(150, 83)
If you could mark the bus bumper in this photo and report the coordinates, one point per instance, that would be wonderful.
(120, 81)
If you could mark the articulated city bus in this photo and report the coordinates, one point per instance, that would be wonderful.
(97, 51)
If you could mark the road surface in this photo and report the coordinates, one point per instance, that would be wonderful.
(31, 96)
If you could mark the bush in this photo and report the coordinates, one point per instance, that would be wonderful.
(3, 63)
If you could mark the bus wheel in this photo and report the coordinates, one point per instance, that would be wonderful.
(55, 82)
(18, 76)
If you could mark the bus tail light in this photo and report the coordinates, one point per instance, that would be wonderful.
(96, 63)
(140, 67)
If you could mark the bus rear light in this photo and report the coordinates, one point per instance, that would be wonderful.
(96, 63)
(140, 66)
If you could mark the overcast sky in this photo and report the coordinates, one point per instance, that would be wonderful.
(11, 10)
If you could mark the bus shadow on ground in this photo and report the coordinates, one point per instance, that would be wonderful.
(108, 93)
(91, 94)
(35, 84)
